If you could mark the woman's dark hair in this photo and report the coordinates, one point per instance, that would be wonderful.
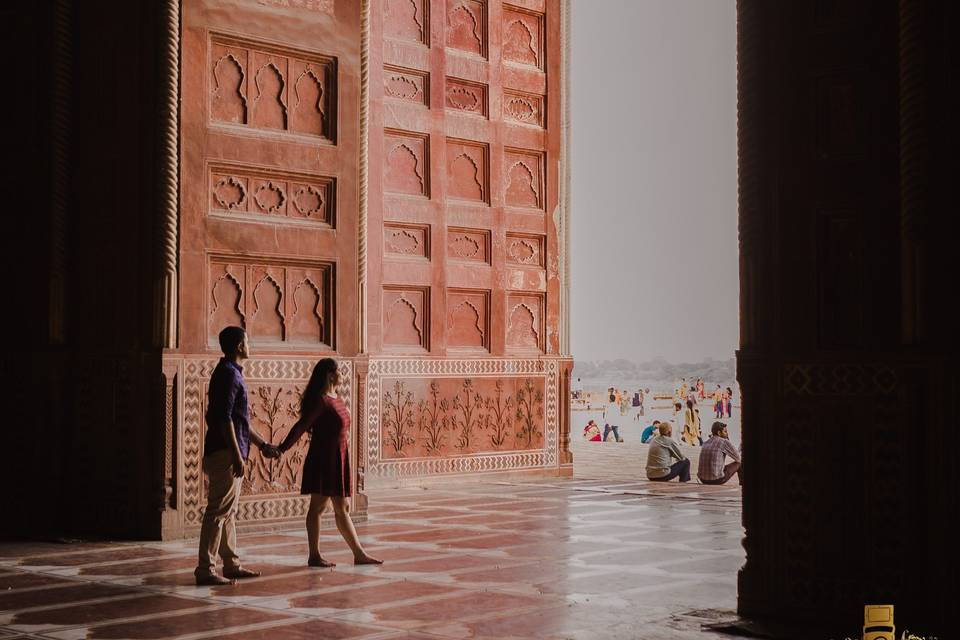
(317, 385)
(689, 404)
(230, 338)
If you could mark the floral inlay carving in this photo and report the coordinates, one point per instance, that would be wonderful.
(269, 197)
(524, 251)
(230, 192)
(529, 412)
(274, 409)
(464, 98)
(465, 246)
(308, 200)
(436, 417)
(398, 420)
(401, 87)
(403, 241)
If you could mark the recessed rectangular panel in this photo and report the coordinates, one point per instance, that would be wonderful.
(526, 250)
(279, 302)
(523, 37)
(526, 323)
(464, 96)
(406, 163)
(407, 20)
(468, 320)
(520, 107)
(406, 319)
(424, 417)
(258, 193)
(406, 241)
(523, 178)
(262, 86)
(468, 245)
(466, 26)
(406, 85)
(468, 170)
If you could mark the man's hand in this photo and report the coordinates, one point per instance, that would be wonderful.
(270, 451)
(237, 468)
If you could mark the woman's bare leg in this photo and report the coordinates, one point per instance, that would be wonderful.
(318, 504)
(341, 511)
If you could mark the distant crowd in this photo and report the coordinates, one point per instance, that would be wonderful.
(665, 461)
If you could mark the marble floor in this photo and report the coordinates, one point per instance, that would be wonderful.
(539, 558)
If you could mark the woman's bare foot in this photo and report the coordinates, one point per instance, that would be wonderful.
(365, 559)
(320, 562)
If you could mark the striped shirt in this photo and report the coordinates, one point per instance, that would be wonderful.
(712, 454)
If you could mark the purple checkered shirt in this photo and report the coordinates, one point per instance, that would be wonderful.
(712, 456)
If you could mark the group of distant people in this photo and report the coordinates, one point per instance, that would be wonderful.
(722, 398)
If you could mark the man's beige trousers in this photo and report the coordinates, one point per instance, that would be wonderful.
(218, 533)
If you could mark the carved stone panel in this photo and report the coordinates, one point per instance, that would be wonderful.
(526, 249)
(468, 245)
(277, 302)
(466, 97)
(406, 240)
(523, 36)
(271, 488)
(406, 319)
(408, 85)
(521, 107)
(467, 26)
(244, 190)
(525, 322)
(468, 320)
(406, 163)
(407, 20)
(443, 417)
(523, 178)
(468, 170)
(272, 88)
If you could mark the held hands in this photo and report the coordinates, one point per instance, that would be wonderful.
(270, 451)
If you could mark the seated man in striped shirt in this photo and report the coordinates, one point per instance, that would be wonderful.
(711, 469)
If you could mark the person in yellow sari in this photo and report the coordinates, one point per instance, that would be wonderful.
(691, 426)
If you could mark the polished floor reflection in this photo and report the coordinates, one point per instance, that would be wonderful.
(542, 558)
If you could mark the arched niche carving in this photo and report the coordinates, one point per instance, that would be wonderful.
(226, 303)
(266, 322)
(269, 104)
(308, 108)
(229, 101)
(306, 322)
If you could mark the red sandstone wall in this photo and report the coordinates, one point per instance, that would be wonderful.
(459, 369)
(464, 169)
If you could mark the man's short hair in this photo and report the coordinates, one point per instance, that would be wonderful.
(656, 422)
(664, 427)
(230, 339)
(717, 428)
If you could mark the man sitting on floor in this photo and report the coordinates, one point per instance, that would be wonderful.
(662, 450)
(711, 469)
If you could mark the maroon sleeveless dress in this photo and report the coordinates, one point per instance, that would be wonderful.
(326, 469)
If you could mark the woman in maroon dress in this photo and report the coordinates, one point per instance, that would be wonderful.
(326, 469)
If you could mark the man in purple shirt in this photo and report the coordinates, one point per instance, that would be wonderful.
(711, 468)
(225, 450)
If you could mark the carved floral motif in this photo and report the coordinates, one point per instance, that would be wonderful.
(459, 416)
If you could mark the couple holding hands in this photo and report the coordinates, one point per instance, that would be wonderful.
(326, 468)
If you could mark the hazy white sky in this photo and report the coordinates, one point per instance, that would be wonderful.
(654, 211)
